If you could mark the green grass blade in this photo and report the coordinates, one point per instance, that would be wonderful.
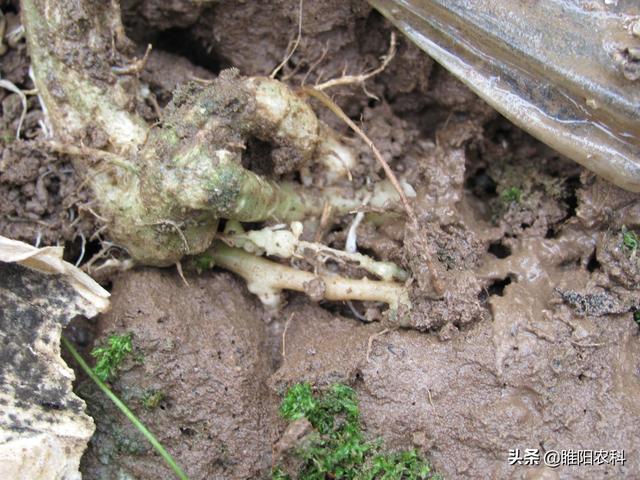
(125, 410)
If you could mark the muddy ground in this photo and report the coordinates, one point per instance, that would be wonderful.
(533, 344)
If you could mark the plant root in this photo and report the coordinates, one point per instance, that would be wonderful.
(267, 279)
(370, 341)
(282, 243)
(363, 77)
(317, 92)
(163, 188)
(284, 335)
(136, 66)
(6, 84)
(293, 47)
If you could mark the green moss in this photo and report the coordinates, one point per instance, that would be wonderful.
(512, 195)
(278, 474)
(298, 402)
(109, 357)
(337, 449)
(629, 239)
(391, 466)
(152, 398)
(636, 316)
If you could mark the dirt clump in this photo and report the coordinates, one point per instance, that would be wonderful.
(164, 72)
(41, 198)
(197, 377)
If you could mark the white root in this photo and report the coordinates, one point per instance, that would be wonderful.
(276, 241)
(351, 244)
(267, 279)
(337, 158)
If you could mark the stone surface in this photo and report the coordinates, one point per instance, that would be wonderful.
(43, 427)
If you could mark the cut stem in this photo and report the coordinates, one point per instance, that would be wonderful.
(125, 410)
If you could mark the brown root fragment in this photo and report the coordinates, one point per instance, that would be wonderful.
(136, 66)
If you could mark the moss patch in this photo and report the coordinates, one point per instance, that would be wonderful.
(336, 448)
(109, 357)
(512, 195)
(630, 239)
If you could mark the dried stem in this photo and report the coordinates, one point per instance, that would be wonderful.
(330, 104)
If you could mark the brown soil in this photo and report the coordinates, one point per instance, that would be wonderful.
(202, 349)
(532, 345)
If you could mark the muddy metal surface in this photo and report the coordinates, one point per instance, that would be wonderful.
(533, 344)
